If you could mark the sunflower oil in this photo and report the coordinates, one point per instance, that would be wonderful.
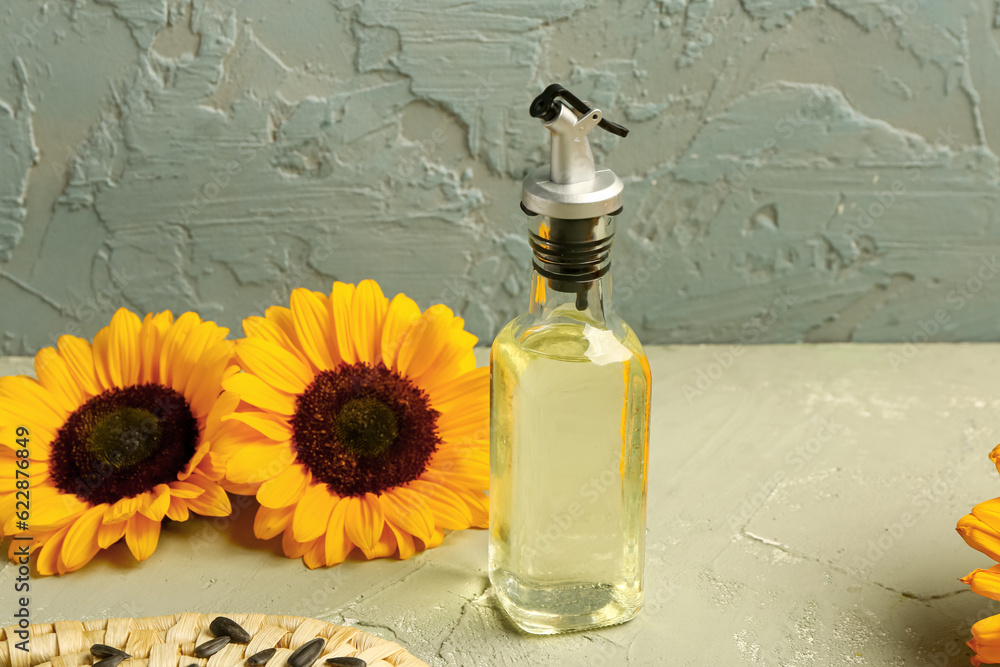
(569, 392)
(567, 487)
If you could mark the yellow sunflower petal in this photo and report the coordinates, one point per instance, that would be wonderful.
(53, 374)
(979, 536)
(258, 393)
(141, 536)
(401, 314)
(81, 543)
(340, 302)
(155, 503)
(312, 514)
(174, 339)
(151, 334)
(995, 457)
(463, 424)
(465, 461)
(315, 555)
(273, 364)
(450, 512)
(368, 308)
(38, 437)
(386, 545)
(312, 319)
(986, 641)
(267, 328)
(224, 405)
(79, 357)
(468, 389)
(271, 426)
(232, 435)
(984, 582)
(109, 533)
(285, 489)
(47, 561)
(177, 511)
(336, 541)
(202, 389)
(455, 359)
(476, 500)
(409, 511)
(282, 318)
(52, 508)
(292, 548)
(364, 522)
(271, 522)
(433, 342)
(185, 490)
(255, 464)
(404, 541)
(123, 509)
(435, 539)
(988, 512)
(23, 396)
(197, 360)
(116, 354)
(213, 502)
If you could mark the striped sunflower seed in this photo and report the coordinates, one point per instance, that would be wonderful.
(110, 661)
(227, 627)
(346, 662)
(105, 651)
(211, 647)
(261, 657)
(306, 654)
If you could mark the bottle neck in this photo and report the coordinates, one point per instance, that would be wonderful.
(571, 269)
(588, 301)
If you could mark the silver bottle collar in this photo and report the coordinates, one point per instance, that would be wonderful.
(570, 187)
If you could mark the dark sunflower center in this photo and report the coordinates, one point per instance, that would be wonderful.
(125, 437)
(363, 429)
(366, 426)
(124, 442)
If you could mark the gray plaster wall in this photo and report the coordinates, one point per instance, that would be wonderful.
(798, 170)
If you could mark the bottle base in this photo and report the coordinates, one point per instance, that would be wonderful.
(552, 609)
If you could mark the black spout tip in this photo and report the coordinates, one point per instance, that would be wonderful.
(545, 105)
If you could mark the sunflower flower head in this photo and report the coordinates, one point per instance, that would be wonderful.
(981, 530)
(358, 423)
(117, 437)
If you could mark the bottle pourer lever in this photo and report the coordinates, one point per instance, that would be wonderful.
(547, 108)
(571, 187)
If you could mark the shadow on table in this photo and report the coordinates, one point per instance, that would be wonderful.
(940, 627)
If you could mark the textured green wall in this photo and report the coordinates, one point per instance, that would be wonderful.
(798, 170)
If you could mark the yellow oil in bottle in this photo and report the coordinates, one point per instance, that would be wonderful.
(568, 474)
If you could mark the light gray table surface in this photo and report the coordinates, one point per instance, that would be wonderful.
(802, 504)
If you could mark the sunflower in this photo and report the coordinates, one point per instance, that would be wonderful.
(981, 530)
(116, 437)
(357, 423)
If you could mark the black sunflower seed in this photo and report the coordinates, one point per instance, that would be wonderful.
(261, 657)
(346, 662)
(227, 627)
(211, 647)
(306, 654)
(105, 651)
(110, 661)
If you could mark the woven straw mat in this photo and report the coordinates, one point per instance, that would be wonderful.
(169, 641)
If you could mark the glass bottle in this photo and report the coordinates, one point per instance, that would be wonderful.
(569, 391)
